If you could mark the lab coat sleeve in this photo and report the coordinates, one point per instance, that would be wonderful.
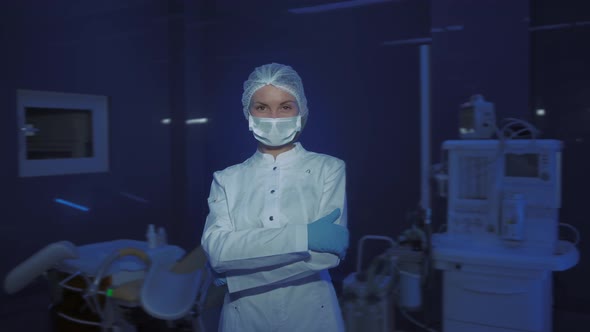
(333, 196)
(248, 249)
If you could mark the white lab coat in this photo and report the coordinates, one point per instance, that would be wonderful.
(256, 234)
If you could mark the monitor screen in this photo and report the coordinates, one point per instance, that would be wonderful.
(467, 118)
(523, 165)
(56, 133)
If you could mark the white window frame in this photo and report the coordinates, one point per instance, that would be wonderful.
(98, 106)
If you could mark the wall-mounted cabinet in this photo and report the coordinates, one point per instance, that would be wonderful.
(62, 133)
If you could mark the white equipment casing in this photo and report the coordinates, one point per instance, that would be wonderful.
(504, 193)
(496, 290)
(501, 244)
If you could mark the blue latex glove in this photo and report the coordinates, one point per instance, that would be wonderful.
(220, 281)
(325, 236)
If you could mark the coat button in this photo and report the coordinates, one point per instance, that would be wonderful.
(272, 191)
(271, 218)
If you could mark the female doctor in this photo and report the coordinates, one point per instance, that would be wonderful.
(277, 221)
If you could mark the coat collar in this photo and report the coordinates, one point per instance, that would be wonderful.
(282, 159)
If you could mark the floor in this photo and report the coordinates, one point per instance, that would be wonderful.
(30, 313)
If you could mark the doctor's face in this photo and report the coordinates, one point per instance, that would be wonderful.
(272, 102)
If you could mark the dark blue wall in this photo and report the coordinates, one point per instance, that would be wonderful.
(115, 48)
(560, 76)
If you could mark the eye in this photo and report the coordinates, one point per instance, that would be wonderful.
(260, 108)
(287, 107)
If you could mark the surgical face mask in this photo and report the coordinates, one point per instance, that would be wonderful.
(274, 131)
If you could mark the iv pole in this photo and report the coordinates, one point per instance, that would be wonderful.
(425, 130)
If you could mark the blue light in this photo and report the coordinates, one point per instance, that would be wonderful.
(336, 6)
(134, 197)
(72, 205)
(412, 41)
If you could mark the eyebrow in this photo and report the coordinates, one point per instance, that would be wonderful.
(285, 102)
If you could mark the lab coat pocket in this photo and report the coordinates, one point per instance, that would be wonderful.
(304, 191)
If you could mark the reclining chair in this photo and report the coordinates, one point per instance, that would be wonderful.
(171, 290)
